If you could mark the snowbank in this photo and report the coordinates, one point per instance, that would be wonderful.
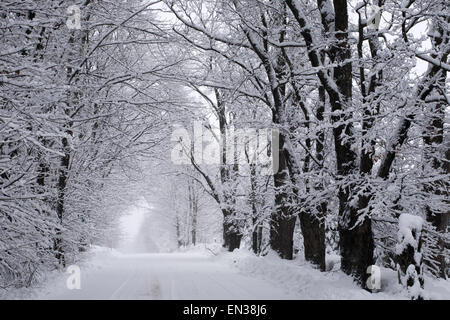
(52, 280)
(306, 282)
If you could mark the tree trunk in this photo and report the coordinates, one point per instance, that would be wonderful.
(282, 222)
(281, 235)
(231, 233)
(356, 247)
(313, 231)
(257, 238)
(257, 231)
(409, 258)
(256, 224)
(440, 222)
(62, 183)
(356, 242)
(178, 230)
(194, 217)
(438, 159)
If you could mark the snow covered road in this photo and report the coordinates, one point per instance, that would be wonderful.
(162, 276)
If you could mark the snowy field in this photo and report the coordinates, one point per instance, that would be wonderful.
(206, 273)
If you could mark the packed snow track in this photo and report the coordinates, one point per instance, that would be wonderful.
(163, 276)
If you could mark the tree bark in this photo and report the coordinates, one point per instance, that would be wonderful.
(313, 225)
(435, 145)
(231, 233)
(313, 231)
(282, 222)
(438, 162)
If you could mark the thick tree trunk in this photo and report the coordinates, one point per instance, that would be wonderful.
(256, 223)
(356, 247)
(231, 233)
(282, 222)
(281, 235)
(257, 231)
(312, 226)
(437, 154)
(356, 239)
(440, 222)
(313, 231)
(409, 255)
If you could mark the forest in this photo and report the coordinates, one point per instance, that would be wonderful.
(301, 127)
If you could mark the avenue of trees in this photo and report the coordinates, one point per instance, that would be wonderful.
(347, 99)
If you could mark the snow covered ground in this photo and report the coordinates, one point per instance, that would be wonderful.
(113, 275)
(208, 273)
(306, 282)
